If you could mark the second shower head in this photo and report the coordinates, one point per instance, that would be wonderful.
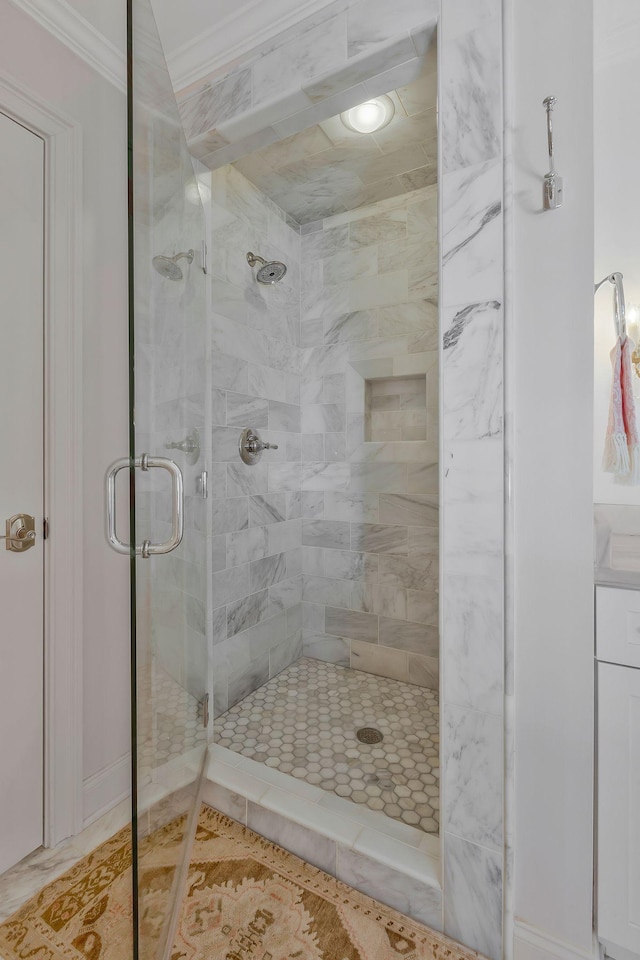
(271, 271)
(168, 266)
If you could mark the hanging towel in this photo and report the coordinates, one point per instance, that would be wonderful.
(622, 444)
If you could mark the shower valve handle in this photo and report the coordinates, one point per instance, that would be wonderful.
(251, 446)
(256, 445)
(190, 445)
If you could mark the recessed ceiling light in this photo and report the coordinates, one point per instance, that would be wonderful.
(197, 192)
(370, 116)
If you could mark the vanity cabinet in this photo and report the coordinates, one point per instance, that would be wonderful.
(618, 796)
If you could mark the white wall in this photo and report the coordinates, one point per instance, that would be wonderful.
(617, 202)
(550, 401)
(39, 62)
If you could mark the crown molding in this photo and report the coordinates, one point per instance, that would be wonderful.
(251, 25)
(76, 33)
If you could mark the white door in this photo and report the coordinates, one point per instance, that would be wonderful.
(21, 489)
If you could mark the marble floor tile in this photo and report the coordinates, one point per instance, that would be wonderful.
(303, 723)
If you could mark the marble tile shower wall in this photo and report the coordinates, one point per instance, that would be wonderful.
(256, 520)
(170, 378)
(472, 496)
(370, 527)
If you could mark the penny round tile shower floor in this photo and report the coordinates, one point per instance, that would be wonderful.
(304, 723)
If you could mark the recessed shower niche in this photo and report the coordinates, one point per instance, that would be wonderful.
(396, 408)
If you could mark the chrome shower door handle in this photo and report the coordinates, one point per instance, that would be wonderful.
(145, 462)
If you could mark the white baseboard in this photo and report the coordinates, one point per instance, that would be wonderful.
(531, 943)
(104, 789)
(614, 950)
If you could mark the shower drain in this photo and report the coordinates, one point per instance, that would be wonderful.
(369, 735)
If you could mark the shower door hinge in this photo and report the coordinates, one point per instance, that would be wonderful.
(45, 528)
(205, 710)
(202, 484)
(204, 256)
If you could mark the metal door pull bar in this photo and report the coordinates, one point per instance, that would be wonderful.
(145, 462)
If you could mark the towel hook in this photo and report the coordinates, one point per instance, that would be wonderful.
(553, 190)
(619, 308)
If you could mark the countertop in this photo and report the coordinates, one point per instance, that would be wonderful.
(617, 545)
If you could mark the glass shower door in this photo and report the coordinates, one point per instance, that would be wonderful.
(168, 452)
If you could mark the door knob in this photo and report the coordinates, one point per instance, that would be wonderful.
(20, 533)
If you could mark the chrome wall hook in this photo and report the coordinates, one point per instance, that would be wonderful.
(553, 188)
(619, 307)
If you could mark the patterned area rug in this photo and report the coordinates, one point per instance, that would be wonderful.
(246, 899)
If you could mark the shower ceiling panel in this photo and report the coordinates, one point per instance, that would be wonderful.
(328, 169)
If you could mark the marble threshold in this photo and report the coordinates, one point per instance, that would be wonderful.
(399, 864)
(45, 865)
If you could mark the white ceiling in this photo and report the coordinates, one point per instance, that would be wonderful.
(610, 16)
(180, 23)
(199, 36)
(616, 31)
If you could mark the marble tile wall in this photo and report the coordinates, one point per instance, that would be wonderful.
(255, 614)
(472, 496)
(170, 404)
(370, 528)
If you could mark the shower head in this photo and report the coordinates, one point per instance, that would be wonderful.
(271, 271)
(168, 267)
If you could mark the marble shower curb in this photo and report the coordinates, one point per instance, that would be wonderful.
(391, 861)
